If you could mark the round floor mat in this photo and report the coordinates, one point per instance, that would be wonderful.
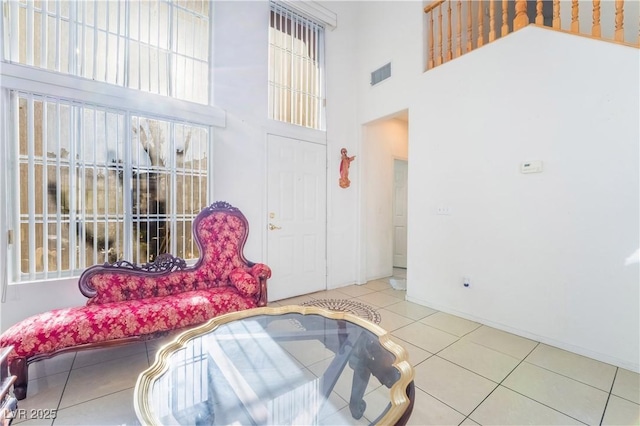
(345, 305)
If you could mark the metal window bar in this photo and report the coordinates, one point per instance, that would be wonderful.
(134, 52)
(75, 164)
(295, 64)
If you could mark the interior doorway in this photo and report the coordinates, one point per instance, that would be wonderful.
(384, 156)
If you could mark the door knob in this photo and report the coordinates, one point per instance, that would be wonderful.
(273, 227)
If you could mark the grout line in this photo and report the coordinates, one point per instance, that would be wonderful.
(64, 388)
(606, 404)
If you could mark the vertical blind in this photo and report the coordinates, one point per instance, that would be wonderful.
(296, 61)
(97, 185)
(154, 46)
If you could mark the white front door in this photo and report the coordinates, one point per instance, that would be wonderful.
(296, 217)
(400, 169)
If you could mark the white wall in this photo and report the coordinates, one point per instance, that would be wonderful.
(546, 252)
(344, 253)
(382, 142)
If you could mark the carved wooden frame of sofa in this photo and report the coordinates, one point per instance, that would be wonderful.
(129, 303)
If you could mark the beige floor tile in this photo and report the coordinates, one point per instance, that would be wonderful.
(400, 272)
(425, 337)
(469, 422)
(484, 361)
(377, 401)
(334, 404)
(398, 294)
(330, 294)
(343, 417)
(501, 341)
(450, 323)
(96, 356)
(297, 300)
(88, 383)
(621, 412)
(627, 385)
(356, 290)
(580, 368)
(378, 299)
(506, 407)
(573, 398)
(43, 393)
(307, 352)
(55, 365)
(391, 321)
(416, 354)
(429, 411)
(411, 310)
(378, 285)
(457, 387)
(115, 409)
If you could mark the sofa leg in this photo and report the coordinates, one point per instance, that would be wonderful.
(18, 367)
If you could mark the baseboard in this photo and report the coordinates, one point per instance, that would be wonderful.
(538, 338)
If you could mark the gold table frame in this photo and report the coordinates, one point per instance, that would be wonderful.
(401, 403)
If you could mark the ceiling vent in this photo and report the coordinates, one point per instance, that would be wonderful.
(381, 74)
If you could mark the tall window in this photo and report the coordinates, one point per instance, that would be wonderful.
(97, 170)
(296, 61)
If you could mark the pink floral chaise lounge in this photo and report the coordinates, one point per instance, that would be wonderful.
(131, 303)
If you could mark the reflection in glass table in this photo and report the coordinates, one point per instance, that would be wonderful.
(289, 365)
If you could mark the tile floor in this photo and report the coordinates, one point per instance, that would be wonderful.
(465, 374)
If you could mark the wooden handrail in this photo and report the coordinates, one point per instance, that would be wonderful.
(433, 5)
(446, 42)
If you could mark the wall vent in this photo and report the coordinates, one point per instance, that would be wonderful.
(381, 74)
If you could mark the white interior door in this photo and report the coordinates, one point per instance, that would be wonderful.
(296, 235)
(400, 169)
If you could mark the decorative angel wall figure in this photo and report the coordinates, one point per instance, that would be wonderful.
(344, 168)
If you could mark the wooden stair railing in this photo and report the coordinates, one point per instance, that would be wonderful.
(461, 30)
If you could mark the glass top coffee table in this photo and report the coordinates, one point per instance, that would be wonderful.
(272, 366)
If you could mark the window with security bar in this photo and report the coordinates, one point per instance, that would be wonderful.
(296, 61)
(152, 46)
(97, 182)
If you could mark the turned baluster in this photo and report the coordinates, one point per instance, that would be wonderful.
(619, 34)
(440, 57)
(595, 29)
(431, 43)
(469, 27)
(505, 18)
(449, 32)
(539, 15)
(575, 22)
(556, 14)
(492, 24)
(522, 19)
(480, 24)
(459, 30)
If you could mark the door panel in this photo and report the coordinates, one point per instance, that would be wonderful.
(296, 199)
(400, 170)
